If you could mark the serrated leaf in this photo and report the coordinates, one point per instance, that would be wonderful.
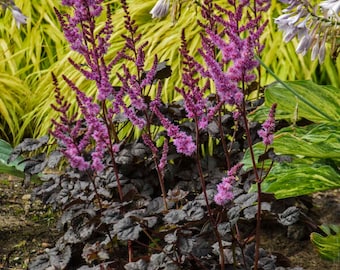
(60, 258)
(40, 262)
(156, 206)
(246, 200)
(138, 265)
(28, 145)
(186, 245)
(175, 216)
(193, 211)
(290, 216)
(124, 157)
(127, 229)
(213, 129)
(53, 159)
(139, 150)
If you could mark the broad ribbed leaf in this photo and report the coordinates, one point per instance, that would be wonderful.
(328, 246)
(296, 179)
(317, 103)
(14, 167)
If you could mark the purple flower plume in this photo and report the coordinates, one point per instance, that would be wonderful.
(225, 189)
(238, 43)
(183, 142)
(79, 30)
(268, 127)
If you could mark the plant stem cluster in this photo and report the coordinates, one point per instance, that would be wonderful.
(91, 140)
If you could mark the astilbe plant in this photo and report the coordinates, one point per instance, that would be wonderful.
(134, 194)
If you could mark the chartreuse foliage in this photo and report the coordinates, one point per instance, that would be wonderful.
(30, 54)
(315, 148)
(328, 245)
(25, 56)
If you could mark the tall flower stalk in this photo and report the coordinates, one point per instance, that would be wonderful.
(230, 72)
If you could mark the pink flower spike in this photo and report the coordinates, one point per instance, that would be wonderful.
(225, 189)
(268, 127)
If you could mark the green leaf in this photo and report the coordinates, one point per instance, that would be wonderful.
(316, 140)
(317, 103)
(15, 167)
(316, 152)
(300, 178)
(328, 246)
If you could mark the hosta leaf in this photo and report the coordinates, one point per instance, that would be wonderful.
(15, 167)
(320, 140)
(298, 178)
(328, 246)
(317, 103)
(315, 141)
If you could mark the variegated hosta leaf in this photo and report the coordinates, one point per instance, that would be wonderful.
(316, 103)
(328, 246)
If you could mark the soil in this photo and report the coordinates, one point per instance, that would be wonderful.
(27, 228)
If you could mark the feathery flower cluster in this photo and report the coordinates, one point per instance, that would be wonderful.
(79, 30)
(163, 161)
(67, 131)
(234, 49)
(194, 101)
(160, 9)
(93, 47)
(268, 127)
(225, 189)
(314, 26)
(183, 142)
(133, 88)
(16, 12)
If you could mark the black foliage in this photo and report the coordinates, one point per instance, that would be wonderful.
(28, 145)
(100, 231)
(290, 216)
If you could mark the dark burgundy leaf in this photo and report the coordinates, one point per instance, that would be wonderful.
(27, 145)
(54, 159)
(246, 200)
(193, 211)
(138, 265)
(175, 216)
(290, 216)
(139, 150)
(127, 229)
(156, 206)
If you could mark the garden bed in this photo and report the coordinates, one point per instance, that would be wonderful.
(27, 228)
